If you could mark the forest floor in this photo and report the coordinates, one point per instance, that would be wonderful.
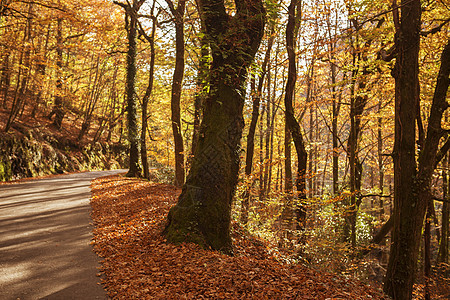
(129, 216)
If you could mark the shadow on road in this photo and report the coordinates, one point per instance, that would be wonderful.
(45, 236)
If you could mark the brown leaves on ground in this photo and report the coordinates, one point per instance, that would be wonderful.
(129, 215)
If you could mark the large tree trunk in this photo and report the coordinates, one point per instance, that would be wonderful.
(203, 212)
(412, 192)
(176, 90)
(408, 211)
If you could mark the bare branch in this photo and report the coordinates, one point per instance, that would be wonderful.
(435, 29)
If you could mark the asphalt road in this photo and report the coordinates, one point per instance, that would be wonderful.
(45, 235)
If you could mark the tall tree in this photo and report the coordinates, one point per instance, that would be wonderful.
(178, 14)
(148, 92)
(412, 193)
(203, 212)
(131, 24)
(408, 212)
(294, 11)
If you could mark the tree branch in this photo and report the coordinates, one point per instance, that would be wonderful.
(435, 29)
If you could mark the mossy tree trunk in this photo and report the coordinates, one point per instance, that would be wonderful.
(203, 212)
(131, 23)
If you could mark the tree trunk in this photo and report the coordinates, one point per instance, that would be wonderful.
(412, 191)
(6, 78)
(380, 162)
(132, 118)
(24, 72)
(203, 212)
(176, 90)
(58, 99)
(252, 129)
(292, 124)
(408, 212)
(145, 99)
(443, 245)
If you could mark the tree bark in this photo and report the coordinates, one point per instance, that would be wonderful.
(200, 95)
(203, 212)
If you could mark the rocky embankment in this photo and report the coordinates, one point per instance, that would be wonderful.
(35, 153)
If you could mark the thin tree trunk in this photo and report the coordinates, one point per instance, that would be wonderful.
(443, 243)
(293, 126)
(58, 98)
(178, 73)
(6, 78)
(380, 161)
(24, 72)
(145, 99)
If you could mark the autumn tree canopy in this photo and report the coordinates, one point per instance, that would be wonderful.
(319, 126)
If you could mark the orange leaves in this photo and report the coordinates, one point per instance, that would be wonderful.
(138, 264)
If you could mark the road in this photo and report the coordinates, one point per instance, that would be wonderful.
(45, 235)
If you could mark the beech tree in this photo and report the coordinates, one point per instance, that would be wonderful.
(203, 212)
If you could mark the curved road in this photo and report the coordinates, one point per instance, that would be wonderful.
(45, 235)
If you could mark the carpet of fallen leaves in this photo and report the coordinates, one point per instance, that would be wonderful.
(129, 215)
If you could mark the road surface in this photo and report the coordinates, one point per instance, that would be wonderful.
(45, 235)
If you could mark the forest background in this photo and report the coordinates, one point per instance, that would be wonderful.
(67, 63)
